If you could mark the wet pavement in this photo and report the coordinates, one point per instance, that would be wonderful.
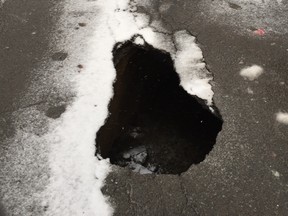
(246, 171)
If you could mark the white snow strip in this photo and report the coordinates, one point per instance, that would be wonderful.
(189, 64)
(252, 72)
(282, 117)
(76, 174)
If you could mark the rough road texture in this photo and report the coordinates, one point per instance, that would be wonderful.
(244, 174)
(25, 27)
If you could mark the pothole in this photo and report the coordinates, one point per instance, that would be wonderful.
(154, 125)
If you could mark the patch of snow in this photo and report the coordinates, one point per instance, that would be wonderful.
(142, 20)
(252, 72)
(250, 91)
(139, 40)
(275, 173)
(282, 117)
(189, 63)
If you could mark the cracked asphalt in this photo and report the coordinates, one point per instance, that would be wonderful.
(245, 173)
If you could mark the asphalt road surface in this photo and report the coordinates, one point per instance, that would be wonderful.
(245, 173)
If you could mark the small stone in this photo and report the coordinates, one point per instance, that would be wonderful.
(82, 24)
(59, 56)
(126, 155)
(234, 6)
(55, 112)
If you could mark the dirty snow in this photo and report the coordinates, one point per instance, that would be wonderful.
(251, 73)
(282, 117)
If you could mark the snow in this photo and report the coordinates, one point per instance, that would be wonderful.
(275, 173)
(250, 91)
(189, 64)
(139, 40)
(282, 117)
(251, 73)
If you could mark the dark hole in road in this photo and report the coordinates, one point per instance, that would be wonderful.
(154, 124)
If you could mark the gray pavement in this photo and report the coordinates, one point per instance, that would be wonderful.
(240, 175)
(24, 38)
(25, 27)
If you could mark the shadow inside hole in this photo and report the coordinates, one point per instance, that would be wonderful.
(154, 124)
